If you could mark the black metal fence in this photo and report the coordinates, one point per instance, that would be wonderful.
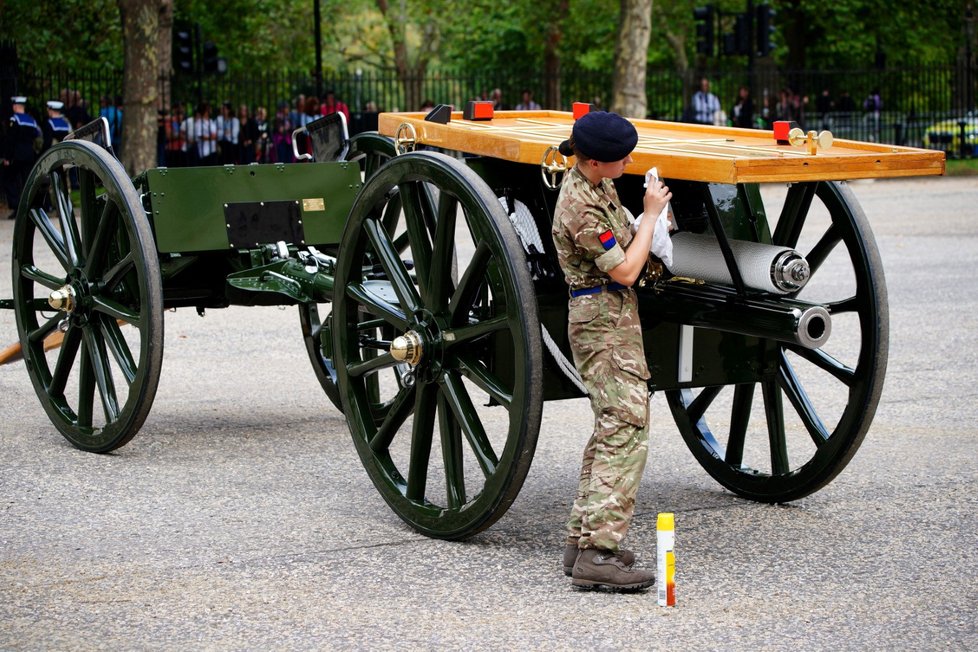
(925, 107)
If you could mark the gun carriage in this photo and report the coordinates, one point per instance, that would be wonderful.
(433, 309)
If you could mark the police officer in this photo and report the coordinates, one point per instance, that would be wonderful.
(57, 125)
(601, 259)
(18, 152)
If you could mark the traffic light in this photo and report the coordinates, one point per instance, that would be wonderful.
(705, 18)
(212, 62)
(765, 29)
(183, 50)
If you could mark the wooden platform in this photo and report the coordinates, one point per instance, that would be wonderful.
(680, 151)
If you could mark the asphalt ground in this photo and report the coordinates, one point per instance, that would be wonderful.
(240, 517)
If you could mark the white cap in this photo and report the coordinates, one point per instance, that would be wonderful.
(56, 105)
(18, 99)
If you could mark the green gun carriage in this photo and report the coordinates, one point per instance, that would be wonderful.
(432, 307)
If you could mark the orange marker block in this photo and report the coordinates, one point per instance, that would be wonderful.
(581, 108)
(478, 110)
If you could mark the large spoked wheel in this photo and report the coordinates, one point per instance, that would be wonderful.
(370, 151)
(791, 433)
(450, 442)
(85, 269)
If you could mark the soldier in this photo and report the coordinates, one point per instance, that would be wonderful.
(57, 125)
(601, 259)
(18, 152)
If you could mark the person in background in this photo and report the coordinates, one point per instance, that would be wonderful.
(496, 97)
(56, 127)
(228, 135)
(20, 145)
(249, 135)
(176, 141)
(742, 112)
(112, 115)
(705, 104)
(601, 258)
(526, 102)
(263, 135)
(333, 105)
(205, 135)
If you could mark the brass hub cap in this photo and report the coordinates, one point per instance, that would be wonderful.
(63, 299)
(408, 348)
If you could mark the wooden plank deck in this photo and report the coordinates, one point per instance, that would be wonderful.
(680, 151)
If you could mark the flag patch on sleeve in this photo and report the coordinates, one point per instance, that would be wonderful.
(607, 240)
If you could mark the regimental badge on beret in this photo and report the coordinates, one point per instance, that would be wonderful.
(607, 240)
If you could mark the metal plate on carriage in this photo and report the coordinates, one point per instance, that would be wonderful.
(188, 206)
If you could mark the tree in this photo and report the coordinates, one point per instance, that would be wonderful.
(631, 57)
(141, 66)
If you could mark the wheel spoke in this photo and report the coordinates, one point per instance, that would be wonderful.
(103, 373)
(739, 418)
(400, 410)
(774, 411)
(469, 285)
(703, 401)
(65, 362)
(114, 275)
(824, 361)
(377, 306)
(116, 310)
(393, 266)
(477, 330)
(105, 230)
(42, 221)
(823, 248)
(799, 400)
(793, 214)
(440, 280)
(116, 343)
(852, 304)
(425, 401)
(88, 207)
(362, 367)
(86, 389)
(477, 372)
(32, 273)
(69, 229)
(419, 214)
(451, 453)
(39, 334)
(468, 419)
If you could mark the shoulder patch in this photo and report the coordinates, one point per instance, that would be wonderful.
(607, 240)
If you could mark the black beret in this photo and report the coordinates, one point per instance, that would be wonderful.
(604, 136)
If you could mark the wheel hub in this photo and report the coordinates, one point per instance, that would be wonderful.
(63, 299)
(408, 348)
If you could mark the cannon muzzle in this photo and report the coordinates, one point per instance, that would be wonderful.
(721, 308)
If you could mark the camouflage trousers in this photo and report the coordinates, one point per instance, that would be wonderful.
(606, 341)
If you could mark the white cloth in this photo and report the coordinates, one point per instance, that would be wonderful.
(661, 242)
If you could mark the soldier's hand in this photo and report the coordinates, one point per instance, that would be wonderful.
(656, 198)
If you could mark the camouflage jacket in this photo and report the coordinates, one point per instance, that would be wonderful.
(591, 229)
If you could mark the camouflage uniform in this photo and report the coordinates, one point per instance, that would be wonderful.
(590, 230)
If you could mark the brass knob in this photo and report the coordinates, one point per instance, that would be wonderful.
(552, 167)
(407, 348)
(798, 138)
(62, 299)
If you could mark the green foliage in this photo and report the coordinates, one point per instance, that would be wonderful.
(64, 35)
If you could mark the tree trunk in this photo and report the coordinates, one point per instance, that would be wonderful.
(551, 60)
(631, 55)
(140, 29)
(164, 46)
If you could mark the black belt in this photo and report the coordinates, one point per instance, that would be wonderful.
(597, 289)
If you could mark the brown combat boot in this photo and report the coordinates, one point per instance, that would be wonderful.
(570, 556)
(601, 569)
